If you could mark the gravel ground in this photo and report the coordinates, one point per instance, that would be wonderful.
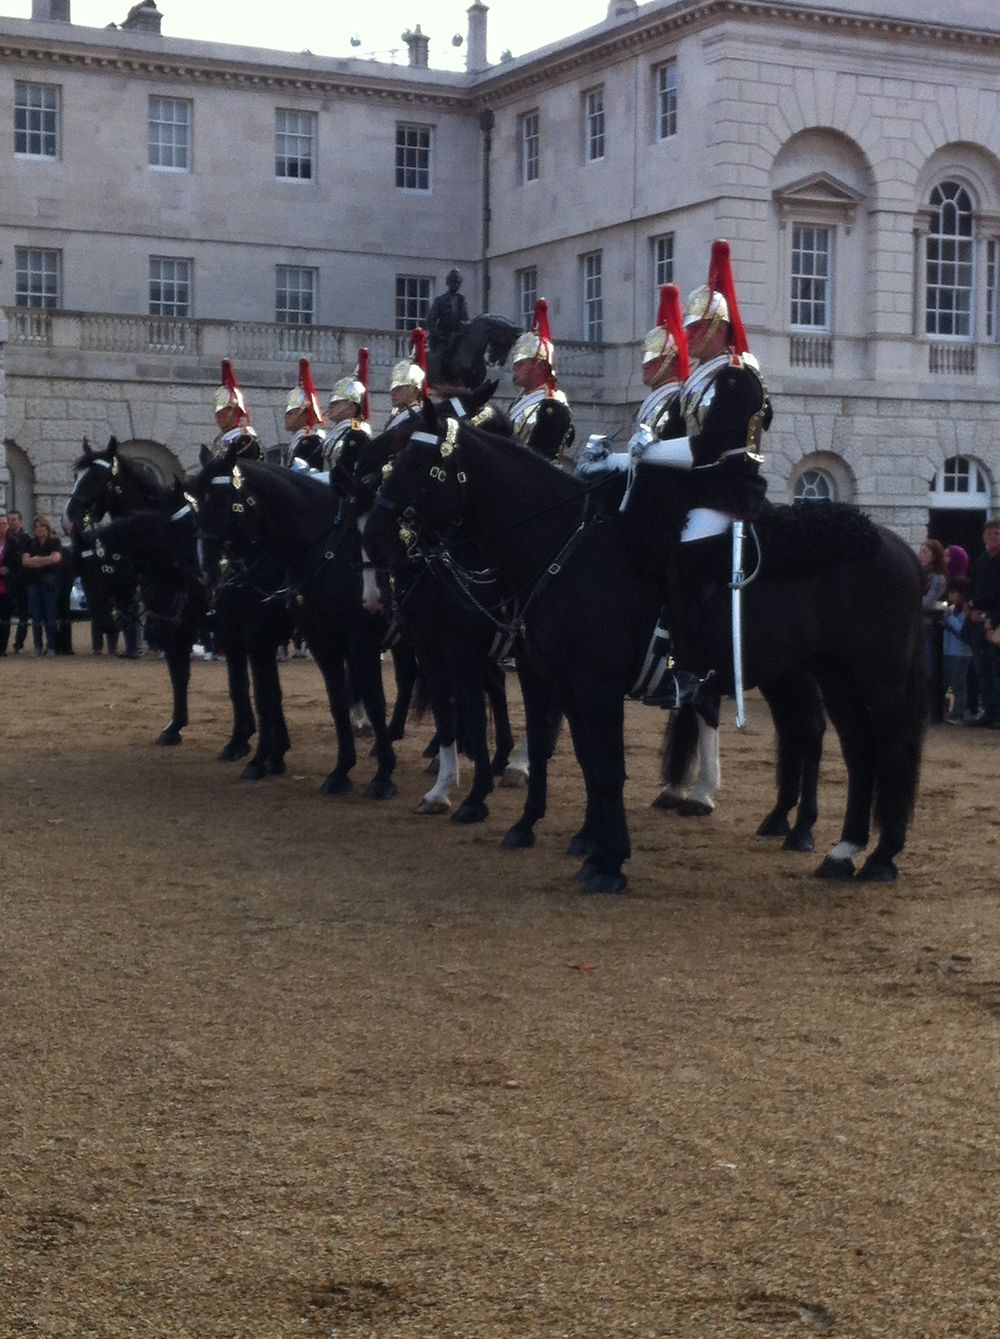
(281, 1065)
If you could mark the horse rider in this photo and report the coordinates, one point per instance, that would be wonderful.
(724, 408)
(408, 382)
(446, 316)
(232, 418)
(347, 414)
(541, 414)
(304, 418)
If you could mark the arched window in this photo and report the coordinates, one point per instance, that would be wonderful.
(948, 275)
(815, 486)
(960, 484)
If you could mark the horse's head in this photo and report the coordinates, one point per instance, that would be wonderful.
(423, 485)
(97, 488)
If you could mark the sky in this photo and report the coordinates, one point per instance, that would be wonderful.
(327, 29)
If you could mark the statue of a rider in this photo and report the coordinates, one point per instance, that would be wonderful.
(446, 317)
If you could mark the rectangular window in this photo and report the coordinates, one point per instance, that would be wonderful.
(992, 290)
(527, 295)
(527, 130)
(413, 157)
(663, 264)
(811, 256)
(593, 125)
(593, 299)
(169, 286)
(294, 144)
(169, 125)
(665, 106)
(36, 120)
(295, 295)
(413, 297)
(36, 277)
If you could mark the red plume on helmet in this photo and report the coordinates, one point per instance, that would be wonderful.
(720, 280)
(234, 396)
(312, 399)
(543, 330)
(363, 378)
(418, 353)
(671, 317)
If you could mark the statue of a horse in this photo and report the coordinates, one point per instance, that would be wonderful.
(481, 343)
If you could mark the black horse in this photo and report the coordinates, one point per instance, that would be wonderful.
(251, 513)
(587, 606)
(483, 342)
(154, 552)
(249, 630)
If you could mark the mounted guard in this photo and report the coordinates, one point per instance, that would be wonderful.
(348, 414)
(304, 418)
(232, 416)
(541, 414)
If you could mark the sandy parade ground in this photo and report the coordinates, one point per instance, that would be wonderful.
(276, 1064)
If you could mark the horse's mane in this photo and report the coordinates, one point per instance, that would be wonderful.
(293, 489)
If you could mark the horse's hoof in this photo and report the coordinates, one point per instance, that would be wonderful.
(877, 870)
(380, 790)
(364, 731)
(580, 846)
(433, 767)
(170, 736)
(799, 841)
(254, 771)
(694, 809)
(234, 751)
(427, 806)
(470, 813)
(336, 785)
(597, 882)
(276, 767)
(775, 825)
(513, 778)
(666, 801)
(518, 839)
(836, 869)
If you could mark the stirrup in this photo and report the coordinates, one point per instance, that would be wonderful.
(680, 688)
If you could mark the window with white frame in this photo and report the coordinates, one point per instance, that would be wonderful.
(992, 290)
(527, 295)
(169, 134)
(527, 134)
(413, 157)
(413, 297)
(665, 99)
(815, 486)
(37, 277)
(169, 286)
(294, 144)
(812, 248)
(593, 297)
(36, 120)
(949, 262)
(593, 125)
(295, 295)
(663, 263)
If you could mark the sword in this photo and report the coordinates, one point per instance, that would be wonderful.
(736, 587)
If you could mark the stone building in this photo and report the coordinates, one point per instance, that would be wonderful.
(169, 202)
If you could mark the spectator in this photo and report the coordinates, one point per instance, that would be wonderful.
(41, 563)
(6, 582)
(932, 560)
(956, 561)
(18, 586)
(957, 653)
(982, 617)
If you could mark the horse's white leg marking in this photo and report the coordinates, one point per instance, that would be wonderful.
(709, 776)
(516, 772)
(437, 800)
(845, 851)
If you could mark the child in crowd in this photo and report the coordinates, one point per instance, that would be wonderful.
(957, 654)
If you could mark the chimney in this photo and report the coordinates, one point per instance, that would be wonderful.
(475, 47)
(623, 9)
(418, 44)
(143, 18)
(50, 11)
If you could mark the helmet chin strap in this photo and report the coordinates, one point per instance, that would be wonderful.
(713, 327)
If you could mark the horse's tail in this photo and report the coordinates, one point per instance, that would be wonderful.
(899, 771)
(680, 747)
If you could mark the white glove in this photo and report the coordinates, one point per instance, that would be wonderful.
(639, 440)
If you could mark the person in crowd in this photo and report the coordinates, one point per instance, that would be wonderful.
(541, 414)
(6, 584)
(983, 619)
(956, 561)
(41, 564)
(956, 652)
(934, 564)
(19, 540)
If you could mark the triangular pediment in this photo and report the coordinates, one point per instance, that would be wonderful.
(819, 188)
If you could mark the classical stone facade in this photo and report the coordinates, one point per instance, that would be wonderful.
(848, 151)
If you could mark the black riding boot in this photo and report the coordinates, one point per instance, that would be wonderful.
(696, 571)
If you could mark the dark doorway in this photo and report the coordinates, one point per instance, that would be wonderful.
(962, 526)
